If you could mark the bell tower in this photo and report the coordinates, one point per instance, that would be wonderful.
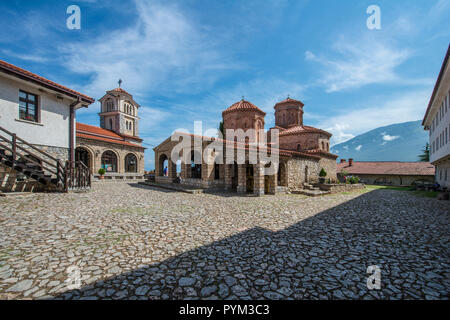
(119, 112)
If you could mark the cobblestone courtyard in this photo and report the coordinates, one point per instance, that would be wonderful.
(133, 242)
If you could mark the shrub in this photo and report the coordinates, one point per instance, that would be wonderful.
(352, 179)
(101, 171)
(322, 173)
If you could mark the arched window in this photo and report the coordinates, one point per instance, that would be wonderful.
(111, 124)
(323, 145)
(109, 161)
(109, 105)
(130, 163)
(299, 147)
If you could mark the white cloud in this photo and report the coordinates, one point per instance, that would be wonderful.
(360, 63)
(26, 57)
(162, 51)
(358, 147)
(387, 137)
(339, 134)
(381, 111)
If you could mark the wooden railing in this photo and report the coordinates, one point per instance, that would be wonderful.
(69, 176)
(78, 175)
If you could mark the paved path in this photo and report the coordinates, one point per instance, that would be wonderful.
(135, 242)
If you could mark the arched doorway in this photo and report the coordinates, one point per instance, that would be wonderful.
(281, 174)
(109, 161)
(196, 168)
(216, 171)
(130, 163)
(82, 155)
(249, 177)
(163, 166)
(234, 176)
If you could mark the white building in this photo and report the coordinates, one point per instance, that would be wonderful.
(437, 122)
(41, 113)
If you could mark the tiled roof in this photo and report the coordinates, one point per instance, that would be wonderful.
(96, 133)
(300, 130)
(321, 152)
(27, 75)
(246, 146)
(120, 90)
(289, 101)
(243, 105)
(388, 168)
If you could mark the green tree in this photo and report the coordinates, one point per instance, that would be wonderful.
(221, 130)
(425, 156)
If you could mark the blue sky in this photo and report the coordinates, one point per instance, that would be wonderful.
(188, 60)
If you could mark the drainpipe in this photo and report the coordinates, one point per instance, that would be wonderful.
(72, 130)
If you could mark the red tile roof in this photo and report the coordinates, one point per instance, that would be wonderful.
(436, 85)
(321, 152)
(243, 105)
(27, 75)
(246, 146)
(388, 168)
(289, 101)
(120, 90)
(96, 133)
(300, 130)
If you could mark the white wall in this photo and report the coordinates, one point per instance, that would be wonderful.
(438, 122)
(54, 126)
(440, 131)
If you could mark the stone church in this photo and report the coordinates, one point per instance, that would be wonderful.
(114, 146)
(303, 151)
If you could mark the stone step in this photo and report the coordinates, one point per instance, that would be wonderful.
(173, 187)
(310, 193)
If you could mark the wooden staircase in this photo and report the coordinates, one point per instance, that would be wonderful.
(37, 164)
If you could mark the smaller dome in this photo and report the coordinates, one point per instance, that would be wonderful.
(243, 105)
(289, 101)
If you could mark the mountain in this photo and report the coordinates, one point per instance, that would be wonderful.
(395, 142)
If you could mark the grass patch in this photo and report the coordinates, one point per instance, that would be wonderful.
(422, 193)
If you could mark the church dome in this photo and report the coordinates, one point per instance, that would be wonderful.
(289, 101)
(243, 105)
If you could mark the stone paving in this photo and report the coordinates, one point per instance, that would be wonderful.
(127, 241)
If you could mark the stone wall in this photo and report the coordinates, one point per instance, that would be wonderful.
(296, 169)
(341, 187)
(330, 167)
(395, 180)
(305, 140)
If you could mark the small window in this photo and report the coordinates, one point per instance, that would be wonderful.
(28, 107)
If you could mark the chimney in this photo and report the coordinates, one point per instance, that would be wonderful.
(350, 162)
(342, 160)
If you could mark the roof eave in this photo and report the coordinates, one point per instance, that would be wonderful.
(87, 100)
(437, 84)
